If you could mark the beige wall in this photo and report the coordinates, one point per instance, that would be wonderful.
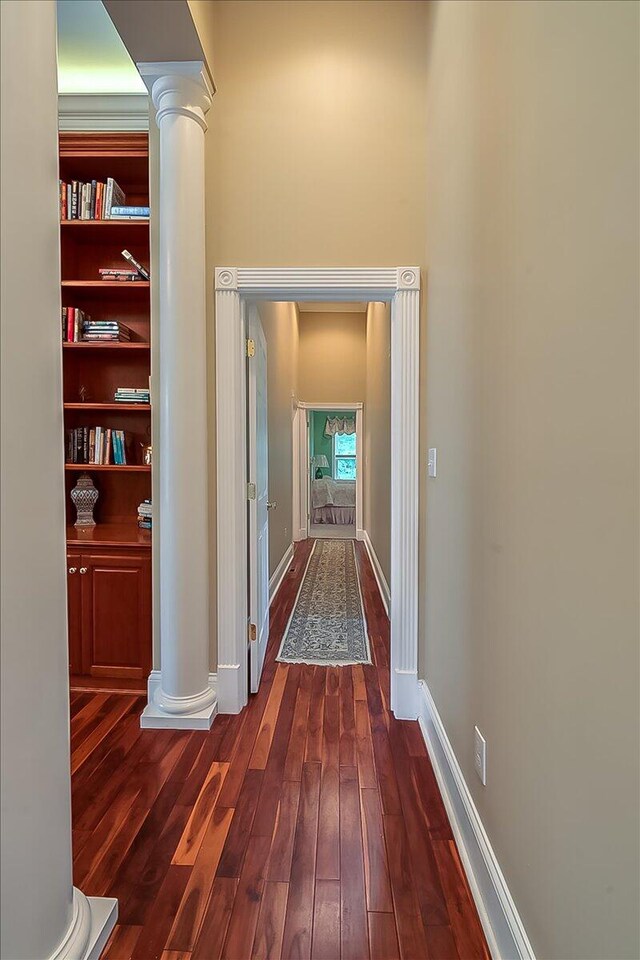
(280, 325)
(377, 434)
(332, 358)
(36, 811)
(303, 91)
(532, 401)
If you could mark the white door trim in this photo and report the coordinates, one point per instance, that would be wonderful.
(400, 286)
(301, 465)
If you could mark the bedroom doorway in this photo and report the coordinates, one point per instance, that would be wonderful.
(236, 288)
(329, 467)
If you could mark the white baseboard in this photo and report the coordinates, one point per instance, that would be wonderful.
(501, 922)
(279, 572)
(381, 580)
(154, 717)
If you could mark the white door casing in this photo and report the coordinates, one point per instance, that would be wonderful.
(399, 286)
(258, 474)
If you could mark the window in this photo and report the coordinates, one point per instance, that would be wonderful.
(344, 456)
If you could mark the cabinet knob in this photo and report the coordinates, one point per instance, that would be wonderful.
(72, 569)
(83, 569)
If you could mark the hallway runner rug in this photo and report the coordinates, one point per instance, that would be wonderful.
(327, 626)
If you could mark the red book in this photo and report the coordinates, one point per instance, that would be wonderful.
(71, 320)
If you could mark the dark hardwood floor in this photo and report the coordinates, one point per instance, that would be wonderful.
(309, 826)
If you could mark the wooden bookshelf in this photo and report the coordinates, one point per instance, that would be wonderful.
(109, 565)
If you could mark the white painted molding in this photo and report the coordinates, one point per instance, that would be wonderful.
(182, 88)
(92, 921)
(503, 928)
(381, 580)
(155, 718)
(405, 417)
(280, 572)
(232, 685)
(234, 287)
(303, 405)
(103, 112)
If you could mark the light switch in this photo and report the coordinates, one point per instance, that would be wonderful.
(432, 462)
(480, 755)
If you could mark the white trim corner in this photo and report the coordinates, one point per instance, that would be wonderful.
(280, 573)
(501, 922)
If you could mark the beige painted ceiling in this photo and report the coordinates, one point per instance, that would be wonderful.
(91, 56)
(332, 307)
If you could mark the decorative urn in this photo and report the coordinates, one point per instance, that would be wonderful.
(84, 496)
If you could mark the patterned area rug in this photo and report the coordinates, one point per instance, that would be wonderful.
(327, 626)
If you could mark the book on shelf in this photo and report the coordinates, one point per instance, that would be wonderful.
(129, 213)
(91, 199)
(119, 273)
(73, 324)
(132, 395)
(106, 330)
(145, 515)
(144, 273)
(96, 445)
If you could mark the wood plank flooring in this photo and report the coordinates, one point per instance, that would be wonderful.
(310, 826)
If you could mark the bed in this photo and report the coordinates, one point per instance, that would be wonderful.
(333, 501)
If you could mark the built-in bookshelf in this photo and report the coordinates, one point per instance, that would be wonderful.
(93, 371)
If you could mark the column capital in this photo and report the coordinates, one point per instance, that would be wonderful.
(179, 87)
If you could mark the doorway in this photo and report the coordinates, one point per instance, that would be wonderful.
(328, 468)
(236, 288)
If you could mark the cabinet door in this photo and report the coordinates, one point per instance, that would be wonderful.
(116, 615)
(74, 612)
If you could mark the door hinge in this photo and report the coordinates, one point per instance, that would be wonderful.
(251, 348)
(251, 491)
(252, 632)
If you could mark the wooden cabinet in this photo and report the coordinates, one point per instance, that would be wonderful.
(74, 602)
(109, 595)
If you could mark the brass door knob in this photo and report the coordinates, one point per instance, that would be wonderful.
(72, 569)
(83, 569)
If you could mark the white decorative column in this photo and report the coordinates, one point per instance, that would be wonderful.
(182, 693)
(405, 491)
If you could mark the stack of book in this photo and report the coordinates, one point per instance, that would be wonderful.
(129, 213)
(97, 445)
(145, 515)
(119, 273)
(91, 200)
(97, 331)
(74, 321)
(132, 395)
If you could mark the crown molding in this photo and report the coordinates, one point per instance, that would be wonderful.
(103, 111)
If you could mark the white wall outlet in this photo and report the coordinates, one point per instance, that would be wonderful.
(432, 462)
(480, 756)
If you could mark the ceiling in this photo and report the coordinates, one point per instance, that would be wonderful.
(91, 56)
(332, 307)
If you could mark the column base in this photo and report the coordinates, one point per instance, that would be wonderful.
(163, 716)
(91, 925)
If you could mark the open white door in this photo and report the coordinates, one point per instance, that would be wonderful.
(258, 503)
